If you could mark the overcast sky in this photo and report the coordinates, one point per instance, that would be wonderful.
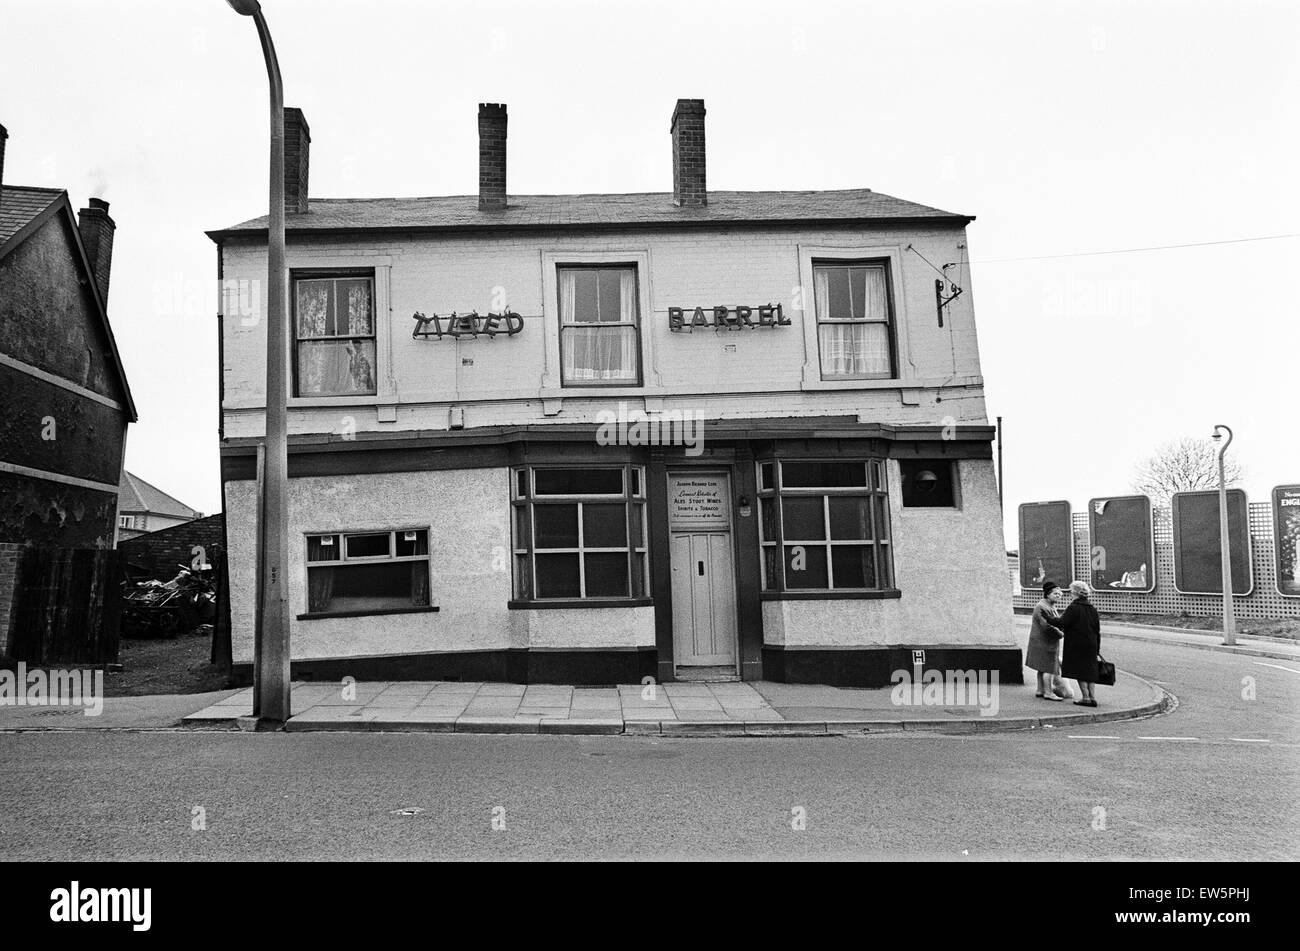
(1065, 127)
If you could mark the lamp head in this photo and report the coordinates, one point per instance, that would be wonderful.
(245, 8)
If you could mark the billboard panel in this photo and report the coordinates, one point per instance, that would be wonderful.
(1123, 544)
(1046, 544)
(1286, 534)
(1198, 568)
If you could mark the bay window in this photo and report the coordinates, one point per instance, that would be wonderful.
(579, 534)
(824, 526)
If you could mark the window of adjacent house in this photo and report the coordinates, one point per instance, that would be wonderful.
(854, 320)
(824, 526)
(579, 533)
(126, 521)
(929, 483)
(599, 333)
(359, 572)
(334, 327)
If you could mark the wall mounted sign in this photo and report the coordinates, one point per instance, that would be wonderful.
(472, 324)
(1286, 528)
(698, 503)
(727, 318)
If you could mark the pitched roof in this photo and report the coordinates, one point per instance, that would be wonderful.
(461, 212)
(21, 205)
(136, 495)
(23, 210)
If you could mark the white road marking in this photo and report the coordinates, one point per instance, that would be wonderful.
(1237, 739)
(1260, 663)
(1091, 736)
(1175, 739)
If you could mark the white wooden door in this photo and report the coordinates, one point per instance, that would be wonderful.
(704, 599)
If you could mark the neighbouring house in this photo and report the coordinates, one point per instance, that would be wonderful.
(142, 508)
(595, 438)
(65, 395)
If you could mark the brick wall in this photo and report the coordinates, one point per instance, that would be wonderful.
(161, 552)
(10, 553)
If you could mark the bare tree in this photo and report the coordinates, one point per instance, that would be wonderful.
(1183, 465)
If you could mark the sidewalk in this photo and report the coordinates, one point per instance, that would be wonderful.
(676, 709)
(1247, 646)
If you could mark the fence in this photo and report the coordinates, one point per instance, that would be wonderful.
(1264, 601)
(67, 606)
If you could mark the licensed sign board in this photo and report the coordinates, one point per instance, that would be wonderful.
(1198, 564)
(698, 502)
(1123, 550)
(1286, 535)
(1046, 544)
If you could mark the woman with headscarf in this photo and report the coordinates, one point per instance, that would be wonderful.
(1081, 626)
(1044, 640)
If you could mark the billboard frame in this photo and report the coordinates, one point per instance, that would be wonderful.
(1274, 509)
(1151, 543)
(1020, 527)
(1250, 542)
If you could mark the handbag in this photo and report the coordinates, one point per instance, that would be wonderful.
(1105, 672)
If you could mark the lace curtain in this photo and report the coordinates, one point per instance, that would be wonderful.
(342, 312)
(593, 352)
(853, 349)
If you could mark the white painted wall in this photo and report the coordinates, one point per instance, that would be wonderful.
(950, 566)
(761, 372)
(468, 511)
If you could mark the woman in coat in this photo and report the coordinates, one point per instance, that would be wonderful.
(1044, 639)
(1082, 629)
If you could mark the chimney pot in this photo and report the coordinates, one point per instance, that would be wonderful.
(297, 152)
(491, 156)
(687, 130)
(96, 229)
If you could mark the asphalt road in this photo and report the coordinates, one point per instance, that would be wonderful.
(1215, 779)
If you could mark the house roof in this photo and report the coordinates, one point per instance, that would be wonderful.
(20, 206)
(136, 495)
(536, 212)
(24, 209)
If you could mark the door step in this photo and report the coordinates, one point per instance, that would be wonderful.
(712, 675)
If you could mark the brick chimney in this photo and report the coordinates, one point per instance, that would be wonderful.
(491, 156)
(297, 149)
(688, 154)
(97, 229)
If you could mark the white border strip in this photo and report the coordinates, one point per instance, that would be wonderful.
(40, 374)
(56, 477)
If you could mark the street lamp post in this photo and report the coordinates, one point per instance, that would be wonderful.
(1229, 621)
(271, 639)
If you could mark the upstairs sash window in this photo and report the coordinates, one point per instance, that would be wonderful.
(599, 326)
(854, 321)
(334, 327)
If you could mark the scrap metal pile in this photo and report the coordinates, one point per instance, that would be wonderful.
(153, 608)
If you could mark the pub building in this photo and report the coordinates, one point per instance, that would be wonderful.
(595, 438)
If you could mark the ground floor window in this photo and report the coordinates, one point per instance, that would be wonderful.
(360, 572)
(579, 533)
(824, 525)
